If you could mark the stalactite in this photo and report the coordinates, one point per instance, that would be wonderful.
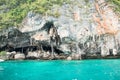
(52, 49)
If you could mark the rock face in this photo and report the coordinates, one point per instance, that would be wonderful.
(10, 55)
(34, 55)
(75, 56)
(19, 56)
(13, 38)
(69, 58)
(78, 33)
(46, 54)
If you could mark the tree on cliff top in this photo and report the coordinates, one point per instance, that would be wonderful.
(12, 12)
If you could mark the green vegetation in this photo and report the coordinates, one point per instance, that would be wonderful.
(116, 4)
(2, 53)
(12, 12)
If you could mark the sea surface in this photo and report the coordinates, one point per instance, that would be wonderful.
(108, 69)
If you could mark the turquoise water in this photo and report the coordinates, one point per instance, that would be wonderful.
(60, 70)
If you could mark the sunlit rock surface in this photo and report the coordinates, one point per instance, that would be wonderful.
(19, 56)
(85, 28)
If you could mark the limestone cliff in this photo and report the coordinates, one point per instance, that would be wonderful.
(83, 27)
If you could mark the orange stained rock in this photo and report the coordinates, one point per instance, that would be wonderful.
(76, 16)
(97, 7)
(39, 36)
(105, 26)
